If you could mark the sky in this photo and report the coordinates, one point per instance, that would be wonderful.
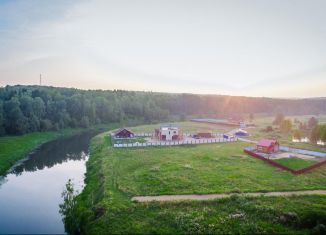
(249, 47)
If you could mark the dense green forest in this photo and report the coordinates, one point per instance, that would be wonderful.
(26, 109)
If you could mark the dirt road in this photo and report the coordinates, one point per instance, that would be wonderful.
(222, 195)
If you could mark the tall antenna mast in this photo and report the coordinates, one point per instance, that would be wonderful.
(40, 79)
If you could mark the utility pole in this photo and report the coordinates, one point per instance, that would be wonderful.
(40, 79)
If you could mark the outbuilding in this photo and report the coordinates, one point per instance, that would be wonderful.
(241, 133)
(123, 133)
(204, 134)
(168, 132)
(267, 146)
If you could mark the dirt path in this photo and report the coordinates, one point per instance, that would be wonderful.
(222, 195)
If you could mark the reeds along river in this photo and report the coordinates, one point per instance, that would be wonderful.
(31, 193)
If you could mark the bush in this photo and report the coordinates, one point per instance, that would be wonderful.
(312, 218)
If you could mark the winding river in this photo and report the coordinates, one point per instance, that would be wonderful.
(31, 193)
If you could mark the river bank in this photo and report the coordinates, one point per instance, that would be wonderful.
(14, 149)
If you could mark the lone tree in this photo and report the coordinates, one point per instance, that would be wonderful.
(312, 122)
(68, 208)
(286, 126)
(278, 119)
(297, 134)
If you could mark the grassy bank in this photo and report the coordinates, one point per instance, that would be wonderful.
(115, 175)
(15, 148)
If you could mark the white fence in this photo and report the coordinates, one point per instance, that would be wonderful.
(173, 143)
(143, 134)
(216, 135)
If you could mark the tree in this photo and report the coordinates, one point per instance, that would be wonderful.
(38, 107)
(84, 122)
(2, 129)
(312, 122)
(26, 105)
(286, 126)
(302, 126)
(68, 208)
(278, 119)
(15, 121)
(297, 134)
(318, 133)
(269, 129)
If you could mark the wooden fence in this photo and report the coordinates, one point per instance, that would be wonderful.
(249, 151)
(173, 143)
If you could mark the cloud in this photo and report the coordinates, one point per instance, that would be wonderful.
(184, 46)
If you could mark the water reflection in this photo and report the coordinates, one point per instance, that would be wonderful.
(30, 195)
(56, 152)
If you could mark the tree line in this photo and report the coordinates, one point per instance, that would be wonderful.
(26, 109)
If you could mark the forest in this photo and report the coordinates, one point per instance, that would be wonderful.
(25, 109)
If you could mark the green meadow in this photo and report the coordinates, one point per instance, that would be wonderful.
(295, 163)
(115, 175)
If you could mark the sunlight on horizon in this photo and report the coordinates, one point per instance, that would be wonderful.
(256, 48)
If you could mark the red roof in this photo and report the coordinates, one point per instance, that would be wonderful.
(266, 142)
(122, 129)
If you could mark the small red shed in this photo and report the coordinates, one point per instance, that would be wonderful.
(267, 146)
(123, 133)
(204, 135)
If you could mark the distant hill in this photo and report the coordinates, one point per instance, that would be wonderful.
(39, 108)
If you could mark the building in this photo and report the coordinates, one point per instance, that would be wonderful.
(228, 136)
(267, 146)
(123, 133)
(204, 134)
(168, 132)
(241, 133)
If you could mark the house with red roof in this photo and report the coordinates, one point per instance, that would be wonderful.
(267, 146)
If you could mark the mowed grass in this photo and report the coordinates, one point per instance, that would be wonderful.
(237, 215)
(115, 175)
(295, 163)
(200, 169)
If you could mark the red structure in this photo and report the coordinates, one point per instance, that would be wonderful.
(267, 146)
(285, 168)
(123, 133)
(204, 135)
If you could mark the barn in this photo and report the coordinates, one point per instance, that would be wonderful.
(123, 133)
(267, 146)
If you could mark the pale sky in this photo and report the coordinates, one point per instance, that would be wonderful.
(250, 47)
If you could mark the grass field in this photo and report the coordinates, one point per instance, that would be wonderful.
(211, 168)
(115, 175)
(295, 163)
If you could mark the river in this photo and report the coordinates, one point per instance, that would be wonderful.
(31, 193)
